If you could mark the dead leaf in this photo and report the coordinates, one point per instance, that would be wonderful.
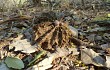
(50, 35)
(98, 38)
(29, 34)
(43, 65)
(47, 62)
(74, 31)
(91, 37)
(22, 45)
(107, 64)
(106, 48)
(74, 50)
(88, 56)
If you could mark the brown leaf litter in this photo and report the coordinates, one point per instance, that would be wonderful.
(50, 35)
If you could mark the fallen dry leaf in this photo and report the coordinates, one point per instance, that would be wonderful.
(22, 45)
(50, 35)
(88, 56)
(107, 64)
(47, 62)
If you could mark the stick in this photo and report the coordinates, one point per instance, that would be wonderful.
(18, 18)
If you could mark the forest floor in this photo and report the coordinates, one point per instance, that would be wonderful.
(63, 39)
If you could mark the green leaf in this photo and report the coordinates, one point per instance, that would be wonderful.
(14, 63)
(37, 56)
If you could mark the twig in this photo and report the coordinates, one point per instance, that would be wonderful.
(16, 19)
